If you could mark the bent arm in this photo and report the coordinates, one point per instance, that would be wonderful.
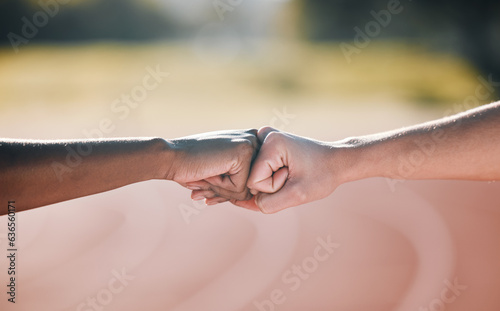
(463, 146)
(37, 173)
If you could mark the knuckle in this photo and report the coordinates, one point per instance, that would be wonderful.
(299, 195)
(243, 196)
(247, 196)
(252, 132)
(250, 183)
(241, 188)
(274, 137)
(266, 128)
(253, 140)
(246, 147)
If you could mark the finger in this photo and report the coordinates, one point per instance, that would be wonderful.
(255, 141)
(235, 133)
(271, 159)
(264, 131)
(197, 185)
(252, 132)
(223, 133)
(198, 195)
(210, 190)
(238, 174)
(216, 200)
(271, 184)
(248, 204)
(220, 191)
(290, 195)
(223, 181)
(235, 178)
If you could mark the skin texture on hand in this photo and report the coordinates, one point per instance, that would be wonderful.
(215, 165)
(290, 170)
(38, 173)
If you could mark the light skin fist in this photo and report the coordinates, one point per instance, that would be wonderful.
(291, 170)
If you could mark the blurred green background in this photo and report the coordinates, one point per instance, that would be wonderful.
(348, 66)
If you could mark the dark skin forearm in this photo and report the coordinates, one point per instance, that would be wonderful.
(37, 173)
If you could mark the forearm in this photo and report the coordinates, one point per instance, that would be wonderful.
(464, 146)
(37, 173)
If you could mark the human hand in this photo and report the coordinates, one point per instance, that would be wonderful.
(215, 165)
(290, 170)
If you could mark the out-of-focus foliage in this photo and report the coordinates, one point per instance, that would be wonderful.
(469, 28)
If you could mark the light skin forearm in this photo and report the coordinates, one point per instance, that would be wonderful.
(37, 173)
(291, 170)
(463, 146)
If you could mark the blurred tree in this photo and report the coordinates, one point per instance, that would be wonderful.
(478, 27)
(471, 28)
(86, 20)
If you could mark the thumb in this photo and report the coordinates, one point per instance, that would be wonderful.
(288, 196)
(271, 183)
(270, 169)
(264, 131)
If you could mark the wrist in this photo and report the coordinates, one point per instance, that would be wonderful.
(164, 152)
(353, 159)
